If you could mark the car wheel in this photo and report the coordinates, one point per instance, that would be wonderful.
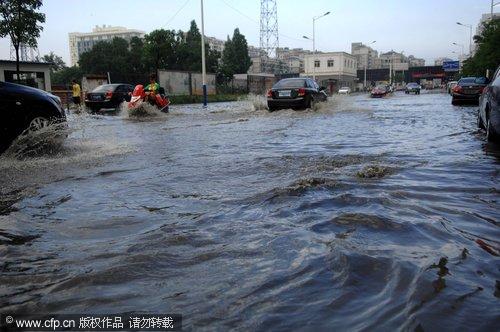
(490, 134)
(479, 120)
(37, 123)
(454, 102)
(271, 109)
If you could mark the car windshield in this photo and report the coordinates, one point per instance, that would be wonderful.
(412, 85)
(105, 88)
(481, 80)
(290, 84)
(468, 80)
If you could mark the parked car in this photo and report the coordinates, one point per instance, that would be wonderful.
(345, 90)
(450, 86)
(108, 97)
(379, 91)
(489, 108)
(23, 108)
(295, 93)
(468, 89)
(412, 88)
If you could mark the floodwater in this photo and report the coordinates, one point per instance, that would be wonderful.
(363, 214)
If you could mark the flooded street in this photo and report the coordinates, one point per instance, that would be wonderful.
(361, 214)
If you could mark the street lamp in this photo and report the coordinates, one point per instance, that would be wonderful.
(366, 64)
(461, 45)
(314, 41)
(470, 40)
(493, 4)
(203, 65)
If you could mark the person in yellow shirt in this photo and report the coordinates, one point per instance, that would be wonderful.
(76, 94)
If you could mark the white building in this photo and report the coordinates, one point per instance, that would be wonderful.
(215, 44)
(34, 74)
(333, 70)
(83, 42)
(365, 55)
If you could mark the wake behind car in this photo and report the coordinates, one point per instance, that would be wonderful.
(108, 97)
(379, 91)
(295, 93)
(468, 89)
(23, 109)
(489, 108)
(412, 88)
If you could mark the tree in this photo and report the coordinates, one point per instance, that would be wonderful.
(160, 50)
(66, 75)
(57, 62)
(488, 51)
(20, 20)
(235, 58)
(112, 57)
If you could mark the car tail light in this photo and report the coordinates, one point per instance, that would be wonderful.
(484, 89)
(109, 95)
(458, 88)
(302, 92)
(269, 93)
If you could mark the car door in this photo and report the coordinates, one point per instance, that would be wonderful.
(11, 111)
(494, 91)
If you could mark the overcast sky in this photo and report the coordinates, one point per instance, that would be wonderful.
(424, 28)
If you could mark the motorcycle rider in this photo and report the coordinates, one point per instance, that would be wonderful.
(152, 89)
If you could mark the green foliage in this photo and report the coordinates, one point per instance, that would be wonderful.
(160, 50)
(57, 62)
(113, 57)
(66, 75)
(235, 59)
(19, 21)
(488, 51)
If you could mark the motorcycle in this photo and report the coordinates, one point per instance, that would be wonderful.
(139, 96)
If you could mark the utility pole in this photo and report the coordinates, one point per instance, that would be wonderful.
(203, 65)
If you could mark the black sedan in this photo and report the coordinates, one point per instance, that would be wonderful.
(108, 97)
(468, 89)
(295, 93)
(489, 108)
(24, 109)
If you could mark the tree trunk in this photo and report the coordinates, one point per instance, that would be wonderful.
(17, 63)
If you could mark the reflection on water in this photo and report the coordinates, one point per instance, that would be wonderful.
(361, 214)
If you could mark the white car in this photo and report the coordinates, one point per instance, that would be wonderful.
(345, 90)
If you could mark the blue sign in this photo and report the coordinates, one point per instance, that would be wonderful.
(451, 65)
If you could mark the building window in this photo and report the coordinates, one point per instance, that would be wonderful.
(317, 63)
(330, 63)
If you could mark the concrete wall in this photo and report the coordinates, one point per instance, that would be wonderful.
(197, 84)
(185, 83)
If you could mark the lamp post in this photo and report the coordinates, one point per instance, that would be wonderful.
(314, 41)
(203, 65)
(366, 64)
(493, 4)
(470, 40)
(462, 46)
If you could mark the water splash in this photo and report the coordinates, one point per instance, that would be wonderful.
(145, 110)
(45, 141)
(258, 102)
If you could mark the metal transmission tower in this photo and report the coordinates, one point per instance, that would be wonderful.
(26, 53)
(269, 40)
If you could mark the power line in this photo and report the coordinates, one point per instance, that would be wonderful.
(176, 13)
